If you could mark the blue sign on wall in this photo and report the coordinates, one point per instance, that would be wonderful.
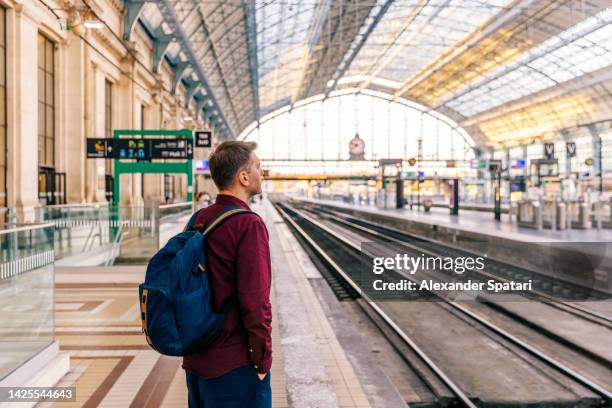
(517, 164)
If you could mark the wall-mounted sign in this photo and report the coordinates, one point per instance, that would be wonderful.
(479, 164)
(517, 184)
(517, 164)
(171, 149)
(203, 138)
(495, 166)
(99, 148)
(571, 149)
(132, 148)
(549, 151)
(202, 167)
(140, 149)
(412, 175)
(390, 162)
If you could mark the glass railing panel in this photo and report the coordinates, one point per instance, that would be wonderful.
(26, 294)
(79, 229)
(105, 235)
(136, 231)
(176, 210)
(172, 220)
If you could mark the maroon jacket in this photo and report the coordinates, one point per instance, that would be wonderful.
(239, 259)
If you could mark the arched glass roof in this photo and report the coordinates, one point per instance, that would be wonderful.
(508, 71)
(320, 129)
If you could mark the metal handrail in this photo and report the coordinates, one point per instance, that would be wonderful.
(116, 244)
(82, 205)
(176, 205)
(93, 234)
(29, 227)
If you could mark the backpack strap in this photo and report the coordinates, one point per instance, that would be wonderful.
(192, 220)
(214, 223)
(224, 215)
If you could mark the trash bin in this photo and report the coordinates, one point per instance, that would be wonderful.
(561, 216)
(538, 221)
(583, 217)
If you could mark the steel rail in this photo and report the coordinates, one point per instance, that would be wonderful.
(577, 310)
(463, 399)
(599, 390)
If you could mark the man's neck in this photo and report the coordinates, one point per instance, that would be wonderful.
(242, 195)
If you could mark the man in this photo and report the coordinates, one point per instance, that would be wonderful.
(234, 370)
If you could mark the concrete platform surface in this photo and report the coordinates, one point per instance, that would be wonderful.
(97, 322)
(481, 222)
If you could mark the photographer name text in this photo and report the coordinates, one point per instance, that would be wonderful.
(469, 285)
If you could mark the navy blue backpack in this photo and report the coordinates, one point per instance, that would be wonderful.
(175, 298)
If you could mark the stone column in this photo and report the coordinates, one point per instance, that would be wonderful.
(137, 178)
(91, 71)
(154, 120)
(124, 118)
(73, 143)
(23, 108)
(99, 99)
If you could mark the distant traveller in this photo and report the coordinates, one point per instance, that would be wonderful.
(202, 200)
(235, 370)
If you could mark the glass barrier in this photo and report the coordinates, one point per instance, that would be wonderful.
(136, 234)
(178, 209)
(106, 235)
(26, 288)
(79, 229)
(172, 219)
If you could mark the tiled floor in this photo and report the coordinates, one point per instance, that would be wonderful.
(97, 322)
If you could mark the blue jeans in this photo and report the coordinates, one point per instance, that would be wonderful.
(240, 388)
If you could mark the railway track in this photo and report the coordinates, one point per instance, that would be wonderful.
(340, 256)
(496, 270)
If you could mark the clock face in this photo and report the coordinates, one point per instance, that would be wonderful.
(356, 145)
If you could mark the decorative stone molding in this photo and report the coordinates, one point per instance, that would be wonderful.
(29, 12)
(110, 42)
(132, 47)
(117, 6)
(157, 97)
(96, 6)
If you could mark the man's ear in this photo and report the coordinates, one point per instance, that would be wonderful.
(243, 177)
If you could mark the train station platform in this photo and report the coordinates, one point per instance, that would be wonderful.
(549, 252)
(479, 222)
(97, 323)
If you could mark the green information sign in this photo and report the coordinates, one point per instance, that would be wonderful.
(144, 167)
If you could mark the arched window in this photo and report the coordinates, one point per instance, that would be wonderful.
(319, 129)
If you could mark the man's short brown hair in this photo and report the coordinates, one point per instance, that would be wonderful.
(228, 159)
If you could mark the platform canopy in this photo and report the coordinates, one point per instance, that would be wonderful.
(509, 72)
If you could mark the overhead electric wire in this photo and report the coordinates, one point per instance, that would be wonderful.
(127, 75)
(129, 51)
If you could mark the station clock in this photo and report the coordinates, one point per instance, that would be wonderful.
(357, 148)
